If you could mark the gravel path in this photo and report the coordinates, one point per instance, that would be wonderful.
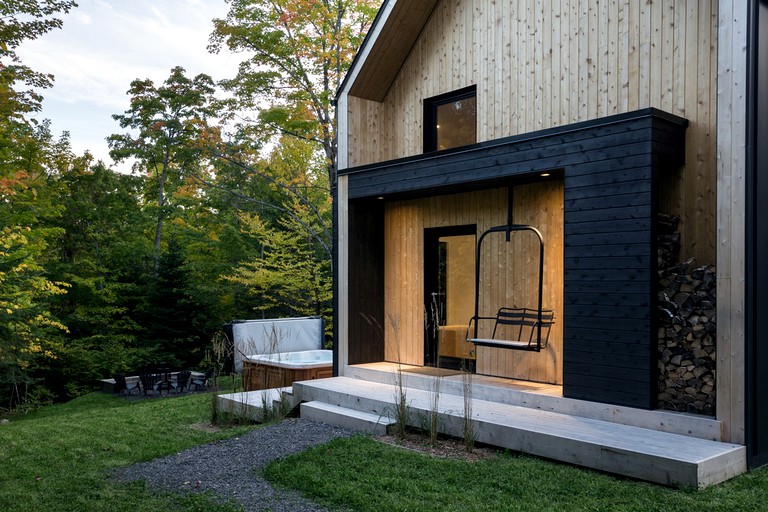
(230, 468)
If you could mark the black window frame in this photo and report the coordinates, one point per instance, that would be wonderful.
(430, 113)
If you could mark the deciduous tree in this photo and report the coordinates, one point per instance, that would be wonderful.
(28, 160)
(297, 52)
(168, 125)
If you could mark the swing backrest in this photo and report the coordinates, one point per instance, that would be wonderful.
(523, 324)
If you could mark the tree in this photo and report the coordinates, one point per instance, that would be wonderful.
(24, 20)
(173, 319)
(293, 274)
(172, 122)
(103, 253)
(29, 158)
(298, 52)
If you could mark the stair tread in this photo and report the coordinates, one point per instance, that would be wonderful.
(347, 411)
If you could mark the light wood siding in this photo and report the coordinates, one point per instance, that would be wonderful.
(543, 64)
(540, 205)
(732, 210)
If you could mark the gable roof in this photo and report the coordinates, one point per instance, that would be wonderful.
(386, 46)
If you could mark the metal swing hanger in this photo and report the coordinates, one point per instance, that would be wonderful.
(533, 321)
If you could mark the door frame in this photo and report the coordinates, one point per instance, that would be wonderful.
(431, 239)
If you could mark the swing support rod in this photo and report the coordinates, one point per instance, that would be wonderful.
(507, 230)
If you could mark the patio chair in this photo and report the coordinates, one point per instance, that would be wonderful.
(202, 382)
(182, 381)
(149, 382)
(163, 380)
(122, 385)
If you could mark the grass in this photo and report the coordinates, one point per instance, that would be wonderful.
(58, 458)
(364, 475)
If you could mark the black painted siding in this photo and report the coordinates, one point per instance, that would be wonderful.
(610, 169)
(757, 238)
(366, 281)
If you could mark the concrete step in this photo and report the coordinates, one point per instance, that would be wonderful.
(345, 417)
(652, 455)
(251, 404)
(543, 397)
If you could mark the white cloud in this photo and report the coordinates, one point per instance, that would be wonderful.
(104, 45)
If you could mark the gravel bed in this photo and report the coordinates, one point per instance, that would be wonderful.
(230, 468)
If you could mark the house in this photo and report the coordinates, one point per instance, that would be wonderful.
(580, 121)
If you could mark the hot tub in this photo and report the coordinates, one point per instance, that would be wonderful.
(265, 371)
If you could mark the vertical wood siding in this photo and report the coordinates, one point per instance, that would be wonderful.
(540, 205)
(732, 129)
(540, 64)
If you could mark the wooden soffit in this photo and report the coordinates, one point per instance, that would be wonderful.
(387, 46)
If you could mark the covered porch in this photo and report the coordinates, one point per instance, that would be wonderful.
(593, 191)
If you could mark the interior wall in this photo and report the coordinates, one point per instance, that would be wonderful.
(539, 65)
(460, 282)
(538, 204)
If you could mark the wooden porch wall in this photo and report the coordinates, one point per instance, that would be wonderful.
(545, 64)
(540, 205)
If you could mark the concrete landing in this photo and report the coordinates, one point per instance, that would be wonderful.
(643, 453)
(252, 404)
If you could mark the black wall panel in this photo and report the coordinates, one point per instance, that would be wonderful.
(366, 281)
(757, 238)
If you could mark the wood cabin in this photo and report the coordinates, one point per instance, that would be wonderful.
(584, 120)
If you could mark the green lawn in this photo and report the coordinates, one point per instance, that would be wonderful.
(365, 475)
(57, 458)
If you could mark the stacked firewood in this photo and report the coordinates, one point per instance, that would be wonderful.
(669, 240)
(686, 340)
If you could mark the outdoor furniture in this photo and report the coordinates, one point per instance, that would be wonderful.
(523, 333)
(202, 382)
(182, 381)
(122, 385)
(532, 325)
(164, 380)
(149, 382)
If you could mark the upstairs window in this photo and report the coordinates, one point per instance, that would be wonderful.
(450, 120)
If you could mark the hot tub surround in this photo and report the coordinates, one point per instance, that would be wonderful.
(273, 336)
(266, 371)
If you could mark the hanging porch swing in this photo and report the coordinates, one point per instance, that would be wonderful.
(523, 328)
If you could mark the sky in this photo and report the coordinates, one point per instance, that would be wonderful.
(104, 45)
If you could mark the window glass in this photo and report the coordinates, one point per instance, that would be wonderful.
(450, 120)
(456, 123)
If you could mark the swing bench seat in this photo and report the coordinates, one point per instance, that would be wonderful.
(523, 333)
